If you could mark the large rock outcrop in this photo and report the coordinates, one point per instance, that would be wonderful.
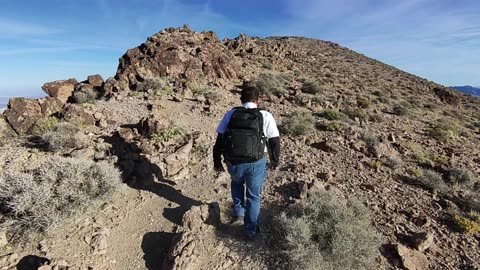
(179, 53)
(62, 89)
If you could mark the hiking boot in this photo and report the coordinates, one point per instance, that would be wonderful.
(237, 221)
(251, 237)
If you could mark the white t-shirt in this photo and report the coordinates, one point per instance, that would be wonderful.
(269, 126)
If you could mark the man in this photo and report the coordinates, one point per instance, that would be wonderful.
(245, 135)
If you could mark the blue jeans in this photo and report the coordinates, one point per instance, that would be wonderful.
(251, 176)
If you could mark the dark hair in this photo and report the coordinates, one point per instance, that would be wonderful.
(249, 94)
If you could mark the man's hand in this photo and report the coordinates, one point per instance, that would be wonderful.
(273, 166)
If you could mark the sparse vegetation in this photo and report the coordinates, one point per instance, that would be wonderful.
(445, 130)
(466, 225)
(334, 126)
(45, 125)
(160, 86)
(85, 96)
(312, 87)
(64, 137)
(371, 142)
(364, 102)
(299, 123)
(432, 181)
(330, 114)
(41, 198)
(356, 113)
(322, 233)
(376, 164)
(458, 177)
(400, 110)
(269, 84)
(169, 134)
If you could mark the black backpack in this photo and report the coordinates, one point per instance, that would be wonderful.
(244, 139)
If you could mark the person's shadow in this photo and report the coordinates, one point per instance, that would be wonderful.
(140, 173)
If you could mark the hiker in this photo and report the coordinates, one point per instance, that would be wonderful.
(245, 135)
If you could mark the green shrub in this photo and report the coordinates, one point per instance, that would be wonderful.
(45, 125)
(432, 181)
(299, 123)
(159, 85)
(64, 137)
(311, 87)
(400, 110)
(334, 126)
(41, 198)
(169, 134)
(269, 84)
(364, 102)
(467, 225)
(353, 113)
(330, 114)
(458, 177)
(323, 233)
(85, 96)
(445, 130)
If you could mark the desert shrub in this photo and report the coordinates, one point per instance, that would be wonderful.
(371, 142)
(425, 159)
(64, 137)
(334, 126)
(311, 87)
(375, 117)
(470, 203)
(355, 113)
(159, 85)
(61, 187)
(458, 177)
(330, 114)
(169, 134)
(466, 225)
(376, 164)
(393, 162)
(85, 96)
(323, 233)
(299, 123)
(431, 181)
(206, 91)
(364, 102)
(269, 84)
(445, 130)
(45, 125)
(400, 110)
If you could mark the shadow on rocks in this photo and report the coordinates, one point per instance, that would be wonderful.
(155, 246)
(140, 173)
(31, 262)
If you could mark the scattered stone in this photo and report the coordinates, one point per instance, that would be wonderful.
(22, 114)
(95, 80)
(127, 134)
(99, 241)
(178, 160)
(422, 241)
(411, 259)
(3, 238)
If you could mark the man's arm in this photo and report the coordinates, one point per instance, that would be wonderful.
(217, 153)
(274, 146)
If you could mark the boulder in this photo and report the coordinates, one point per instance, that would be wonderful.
(176, 53)
(422, 241)
(62, 89)
(22, 114)
(153, 124)
(6, 132)
(95, 80)
(50, 105)
(78, 113)
(178, 160)
(411, 259)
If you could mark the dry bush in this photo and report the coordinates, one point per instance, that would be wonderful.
(330, 114)
(41, 198)
(65, 137)
(445, 130)
(161, 86)
(364, 102)
(269, 84)
(299, 123)
(400, 110)
(355, 113)
(312, 87)
(335, 126)
(432, 181)
(45, 125)
(86, 96)
(458, 177)
(169, 134)
(466, 225)
(326, 232)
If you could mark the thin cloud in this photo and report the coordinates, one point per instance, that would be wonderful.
(16, 28)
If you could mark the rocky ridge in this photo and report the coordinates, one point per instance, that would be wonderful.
(411, 220)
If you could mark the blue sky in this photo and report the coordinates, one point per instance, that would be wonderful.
(48, 40)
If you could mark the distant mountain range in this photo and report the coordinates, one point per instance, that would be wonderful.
(474, 91)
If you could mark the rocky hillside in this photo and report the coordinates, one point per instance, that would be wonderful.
(353, 130)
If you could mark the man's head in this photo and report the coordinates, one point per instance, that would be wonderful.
(250, 94)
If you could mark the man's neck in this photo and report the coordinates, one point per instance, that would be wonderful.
(249, 105)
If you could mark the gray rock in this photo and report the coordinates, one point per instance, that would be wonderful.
(411, 259)
(422, 241)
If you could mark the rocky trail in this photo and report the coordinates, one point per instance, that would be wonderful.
(369, 131)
